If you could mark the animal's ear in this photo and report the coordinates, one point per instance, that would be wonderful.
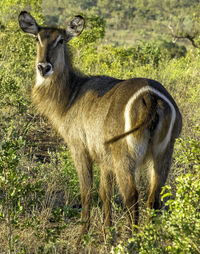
(75, 27)
(28, 23)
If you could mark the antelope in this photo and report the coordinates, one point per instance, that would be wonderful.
(122, 125)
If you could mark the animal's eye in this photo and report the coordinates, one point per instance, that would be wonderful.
(58, 41)
(61, 41)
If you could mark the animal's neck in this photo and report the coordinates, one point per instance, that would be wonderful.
(53, 96)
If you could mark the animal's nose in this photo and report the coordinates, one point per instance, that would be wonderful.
(45, 69)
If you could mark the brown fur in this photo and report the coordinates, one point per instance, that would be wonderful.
(91, 114)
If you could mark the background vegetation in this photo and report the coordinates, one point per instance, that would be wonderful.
(39, 191)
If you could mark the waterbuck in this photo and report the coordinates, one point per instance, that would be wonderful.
(122, 125)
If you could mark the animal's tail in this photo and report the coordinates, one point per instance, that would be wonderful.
(147, 121)
(116, 138)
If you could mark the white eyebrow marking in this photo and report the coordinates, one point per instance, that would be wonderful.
(39, 38)
(57, 40)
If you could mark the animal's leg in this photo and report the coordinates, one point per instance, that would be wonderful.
(85, 178)
(129, 193)
(153, 200)
(84, 168)
(159, 169)
(105, 192)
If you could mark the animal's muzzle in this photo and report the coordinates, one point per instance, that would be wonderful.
(45, 69)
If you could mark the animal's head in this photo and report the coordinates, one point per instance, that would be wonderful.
(50, 42)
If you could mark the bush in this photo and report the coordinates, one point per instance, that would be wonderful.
(174, 50)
